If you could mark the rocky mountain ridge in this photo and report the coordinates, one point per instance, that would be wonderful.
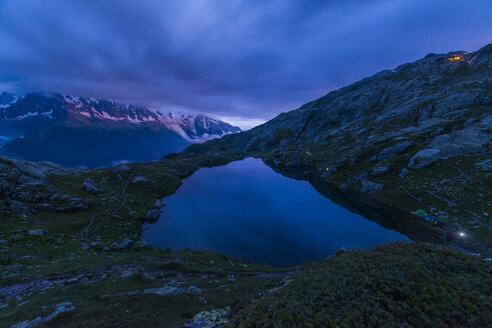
(415, 98)
(102, 131)
(56, 107)
(418, 137)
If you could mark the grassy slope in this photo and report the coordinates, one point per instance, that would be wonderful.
(104, 295)
(100, 293)
(453, 190)
(404, 285)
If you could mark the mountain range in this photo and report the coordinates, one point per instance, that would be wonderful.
(78, 131)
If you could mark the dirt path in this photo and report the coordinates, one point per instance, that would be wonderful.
(85, 231)
(114, 272)
(437, 188)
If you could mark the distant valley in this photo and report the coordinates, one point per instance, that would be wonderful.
(87, 132)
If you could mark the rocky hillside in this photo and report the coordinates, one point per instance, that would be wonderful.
(65, 265)
(77, 131)
(417, 138)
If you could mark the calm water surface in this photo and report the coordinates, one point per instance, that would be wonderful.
(246, 210)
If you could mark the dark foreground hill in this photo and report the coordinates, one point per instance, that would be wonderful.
(396, 285)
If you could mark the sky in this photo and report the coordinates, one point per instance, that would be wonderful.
(244, 61)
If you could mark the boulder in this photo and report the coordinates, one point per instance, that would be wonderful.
(126, 243)
(65, 198)
(55, 197)
(115, 246)
(158, 203)
(470, 140)
(59, 309)
(358, 178)
(153, 215)
(485, 165)
(369, 187)
(209, 318)
(28, 169)
(71, 281)
(424, 158)
(36, 233)
(392, 151)
(140, 180)
(25, 196)
(140, 244)
(379, 170)
(96, 244)
(89, 187)
(44, 207)
(121, 169)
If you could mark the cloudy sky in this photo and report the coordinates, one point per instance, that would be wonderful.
(241, 60)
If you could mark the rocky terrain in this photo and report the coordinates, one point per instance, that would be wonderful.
(408, 148)
(87, 267)
(71, 254)
(78, 131)
(416, 139)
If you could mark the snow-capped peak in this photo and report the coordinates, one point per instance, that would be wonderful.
(87, 111)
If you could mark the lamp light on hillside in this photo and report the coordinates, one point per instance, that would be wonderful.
(455, 58)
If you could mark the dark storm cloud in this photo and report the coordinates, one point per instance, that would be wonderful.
(237, 59)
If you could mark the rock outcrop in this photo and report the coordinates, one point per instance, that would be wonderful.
(24, 188)
(433, 103)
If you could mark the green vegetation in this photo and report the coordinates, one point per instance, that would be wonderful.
(397, 285)
(280, 135)
(111, 288)
(107, 285)
(454, 193)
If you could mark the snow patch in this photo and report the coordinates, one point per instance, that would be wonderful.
(48, 114)
(30, 114)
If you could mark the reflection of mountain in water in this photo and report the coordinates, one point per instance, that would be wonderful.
(4, 140)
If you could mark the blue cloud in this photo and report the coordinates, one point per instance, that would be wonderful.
(238, 58)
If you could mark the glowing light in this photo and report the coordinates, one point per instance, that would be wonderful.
(461, 234)
(454, 58)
